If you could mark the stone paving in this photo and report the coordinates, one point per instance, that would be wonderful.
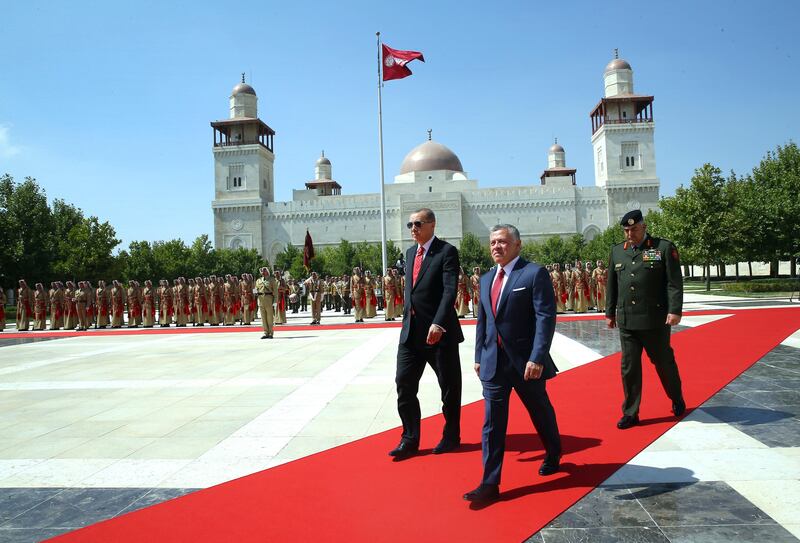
(93, 427)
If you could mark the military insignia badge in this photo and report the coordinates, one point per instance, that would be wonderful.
(652, 255)
(631, 222)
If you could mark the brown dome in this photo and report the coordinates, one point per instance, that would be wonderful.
(618, 64)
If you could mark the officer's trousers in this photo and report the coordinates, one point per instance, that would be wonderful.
(655, 342)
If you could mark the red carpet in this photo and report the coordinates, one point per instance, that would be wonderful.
(356, 493)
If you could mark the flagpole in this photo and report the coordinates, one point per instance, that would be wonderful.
(380, 144)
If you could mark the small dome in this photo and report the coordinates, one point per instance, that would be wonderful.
(323, 160)
(617, 64)
(243, 88)
(430, 156)
(556, 148)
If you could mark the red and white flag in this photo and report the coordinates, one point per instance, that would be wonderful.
(394, 62)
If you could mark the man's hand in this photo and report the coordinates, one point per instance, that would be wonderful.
(477, 369)
(533, 370)
(611, 322)
(672, 319)
(435, 333)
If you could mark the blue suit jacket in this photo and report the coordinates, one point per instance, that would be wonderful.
(525, 320)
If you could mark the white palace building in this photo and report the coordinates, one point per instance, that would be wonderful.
(431, 175)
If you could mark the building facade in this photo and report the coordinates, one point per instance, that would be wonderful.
(431, 175)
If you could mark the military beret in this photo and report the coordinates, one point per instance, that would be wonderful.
(632, 217)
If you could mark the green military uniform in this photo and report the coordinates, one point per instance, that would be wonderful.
(267, 288)
(644, 285)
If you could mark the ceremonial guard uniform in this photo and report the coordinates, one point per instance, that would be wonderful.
(315, 288)
(117, 305)
(247, 299)
(359, 294)
(280, 312)
(148, 305)
(592, 301)
(134, 306)
(475, 283)
(581, 281)
(181, 302)
(462, 294)
(70, 311)
(39, 307)
(266, 287)
(81, 300)
(200, 301)
(569, 287)
(347, 300)
(389, 294)
(600, 278)
(165, 305)
(214, 301)
(369, 295)
(103, 296)
(645, 292)
(190, 290)
(56, 307)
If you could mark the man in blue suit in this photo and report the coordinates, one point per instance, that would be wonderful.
(516, 323)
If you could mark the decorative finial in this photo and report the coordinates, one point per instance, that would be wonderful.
(323, 153)
(430, 131)
(616, 53)
(242, 77)
(556, 140)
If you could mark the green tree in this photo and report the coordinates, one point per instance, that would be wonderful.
(140, 262)
(171, 259)
(86, 250)
(555, 249)
(202, 257)
(473, 253)
(777, 183)
(27, 234)
(599, 248)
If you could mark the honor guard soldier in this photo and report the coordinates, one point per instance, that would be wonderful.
(347, 300)
(645, 299)
(134, 307)
(39, 307)
(200, 301)
(600, 279)
(316, 289)
(266, 287)
(81, 300)
(389, 294)
(117, 305)
(359, 293)
(581, 281)
(462, 294)
(280, 303)
(148, 304)
(56, 306)
(475, 283)
(190, 289)
(103, 297)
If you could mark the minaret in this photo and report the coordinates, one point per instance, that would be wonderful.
(243, 172)
(323, 181)
(557, 173)
(623, 131)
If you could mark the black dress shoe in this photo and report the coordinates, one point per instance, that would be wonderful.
(446, 445)
(485, 493)
(627, 421)
(550, 465)
(404, 450)
(679, 407)
(265, 336)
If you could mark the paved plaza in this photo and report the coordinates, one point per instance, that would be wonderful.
(98, 425)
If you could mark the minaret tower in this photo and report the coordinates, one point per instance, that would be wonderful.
(323, 181)
(557, 173)
(243, 172)
(622, 140)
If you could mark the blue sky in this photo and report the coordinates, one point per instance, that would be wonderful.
(108, 104)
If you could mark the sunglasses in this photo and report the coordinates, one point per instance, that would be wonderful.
(418, 224)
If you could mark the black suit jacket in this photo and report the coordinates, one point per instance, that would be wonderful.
(433, 296)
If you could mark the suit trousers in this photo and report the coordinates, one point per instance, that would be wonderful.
(412, 357)
(655, 342)
(496, 394)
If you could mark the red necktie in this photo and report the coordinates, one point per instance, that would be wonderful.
(417, 265)
(498, 284)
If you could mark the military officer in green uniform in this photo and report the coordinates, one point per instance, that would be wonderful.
(645, 299)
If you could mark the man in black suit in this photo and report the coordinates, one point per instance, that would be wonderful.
(516, 323)
(430, 335)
